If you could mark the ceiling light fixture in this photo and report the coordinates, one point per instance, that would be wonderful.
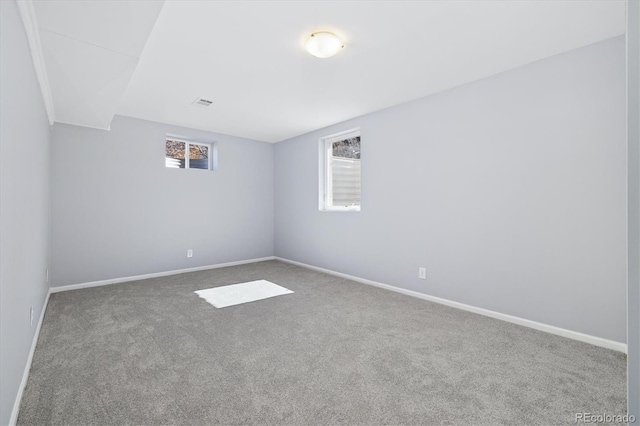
(323, 44)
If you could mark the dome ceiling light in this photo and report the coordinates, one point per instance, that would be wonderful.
(323, 44)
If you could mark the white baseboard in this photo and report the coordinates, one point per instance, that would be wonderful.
(155, 275)
(27, 368)
(597, 341)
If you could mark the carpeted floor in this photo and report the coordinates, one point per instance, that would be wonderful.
(334, 352)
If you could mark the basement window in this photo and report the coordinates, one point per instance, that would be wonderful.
(182, 153)
(340, 177)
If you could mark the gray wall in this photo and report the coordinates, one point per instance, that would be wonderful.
(24, 203)
(510, 190)
(117, 211)
(633, 123)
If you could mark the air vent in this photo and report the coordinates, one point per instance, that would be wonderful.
(202, 102)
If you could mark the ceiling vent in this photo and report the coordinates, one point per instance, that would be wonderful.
(200, 102)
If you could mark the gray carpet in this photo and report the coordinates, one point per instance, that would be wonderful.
(334, 352)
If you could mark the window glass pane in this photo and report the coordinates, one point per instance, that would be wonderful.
(174, 154)
(345, 172)
(198, 156)
(348, 148)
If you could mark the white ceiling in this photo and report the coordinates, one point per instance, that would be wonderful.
(90, 50)
(247, 57)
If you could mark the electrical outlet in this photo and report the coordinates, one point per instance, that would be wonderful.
(31, 316)
(190, 253)
(422, 273)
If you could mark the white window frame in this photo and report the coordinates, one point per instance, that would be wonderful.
(325, 150)
(212, 145)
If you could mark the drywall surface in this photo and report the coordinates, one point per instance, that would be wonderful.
(633, 140)
(24, 204)
(117, 211)
(511, 191)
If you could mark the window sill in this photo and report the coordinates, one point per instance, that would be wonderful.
(341, 209)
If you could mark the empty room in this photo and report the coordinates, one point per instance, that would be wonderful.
(319, 212)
